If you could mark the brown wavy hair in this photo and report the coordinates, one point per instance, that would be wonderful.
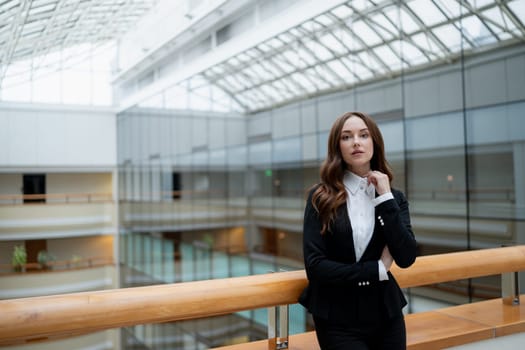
(330, 193)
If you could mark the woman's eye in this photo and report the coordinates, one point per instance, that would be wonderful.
(345, 137)
(364, 136)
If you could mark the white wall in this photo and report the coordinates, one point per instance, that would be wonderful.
(10, 183)
(43, 136)
(85, 247)
(79, 183)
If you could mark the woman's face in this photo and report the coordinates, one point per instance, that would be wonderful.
(356, 145)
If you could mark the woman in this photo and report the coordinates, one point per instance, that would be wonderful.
(355, 226)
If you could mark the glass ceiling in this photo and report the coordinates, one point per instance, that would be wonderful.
(356, 42)
(35, 28)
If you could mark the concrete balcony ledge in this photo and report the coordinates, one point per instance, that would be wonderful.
(56, 220)
(23, 285)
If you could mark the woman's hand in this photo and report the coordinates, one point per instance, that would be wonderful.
(380, 181)
(386, 258)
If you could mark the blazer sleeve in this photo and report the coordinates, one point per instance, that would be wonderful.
(322, 269)
(393, 218)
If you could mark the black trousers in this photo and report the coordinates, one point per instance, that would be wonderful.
(387, 334)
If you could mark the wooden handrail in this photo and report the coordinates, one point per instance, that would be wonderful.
(447, 267)
(57, 316)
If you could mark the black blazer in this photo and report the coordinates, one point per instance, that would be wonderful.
(341, 289)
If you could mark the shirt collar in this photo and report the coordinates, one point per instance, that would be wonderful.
(353, 181)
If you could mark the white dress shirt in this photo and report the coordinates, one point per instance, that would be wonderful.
(361, 202)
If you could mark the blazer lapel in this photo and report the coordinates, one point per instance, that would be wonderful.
(348, 230)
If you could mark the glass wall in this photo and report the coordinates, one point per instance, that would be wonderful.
(211, 195)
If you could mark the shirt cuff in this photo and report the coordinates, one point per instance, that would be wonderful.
(382, 198)
(383, 275)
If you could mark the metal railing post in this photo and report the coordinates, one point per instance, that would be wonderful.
(510, 289)
(282, 341)
(272, 328)
(278, 341)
